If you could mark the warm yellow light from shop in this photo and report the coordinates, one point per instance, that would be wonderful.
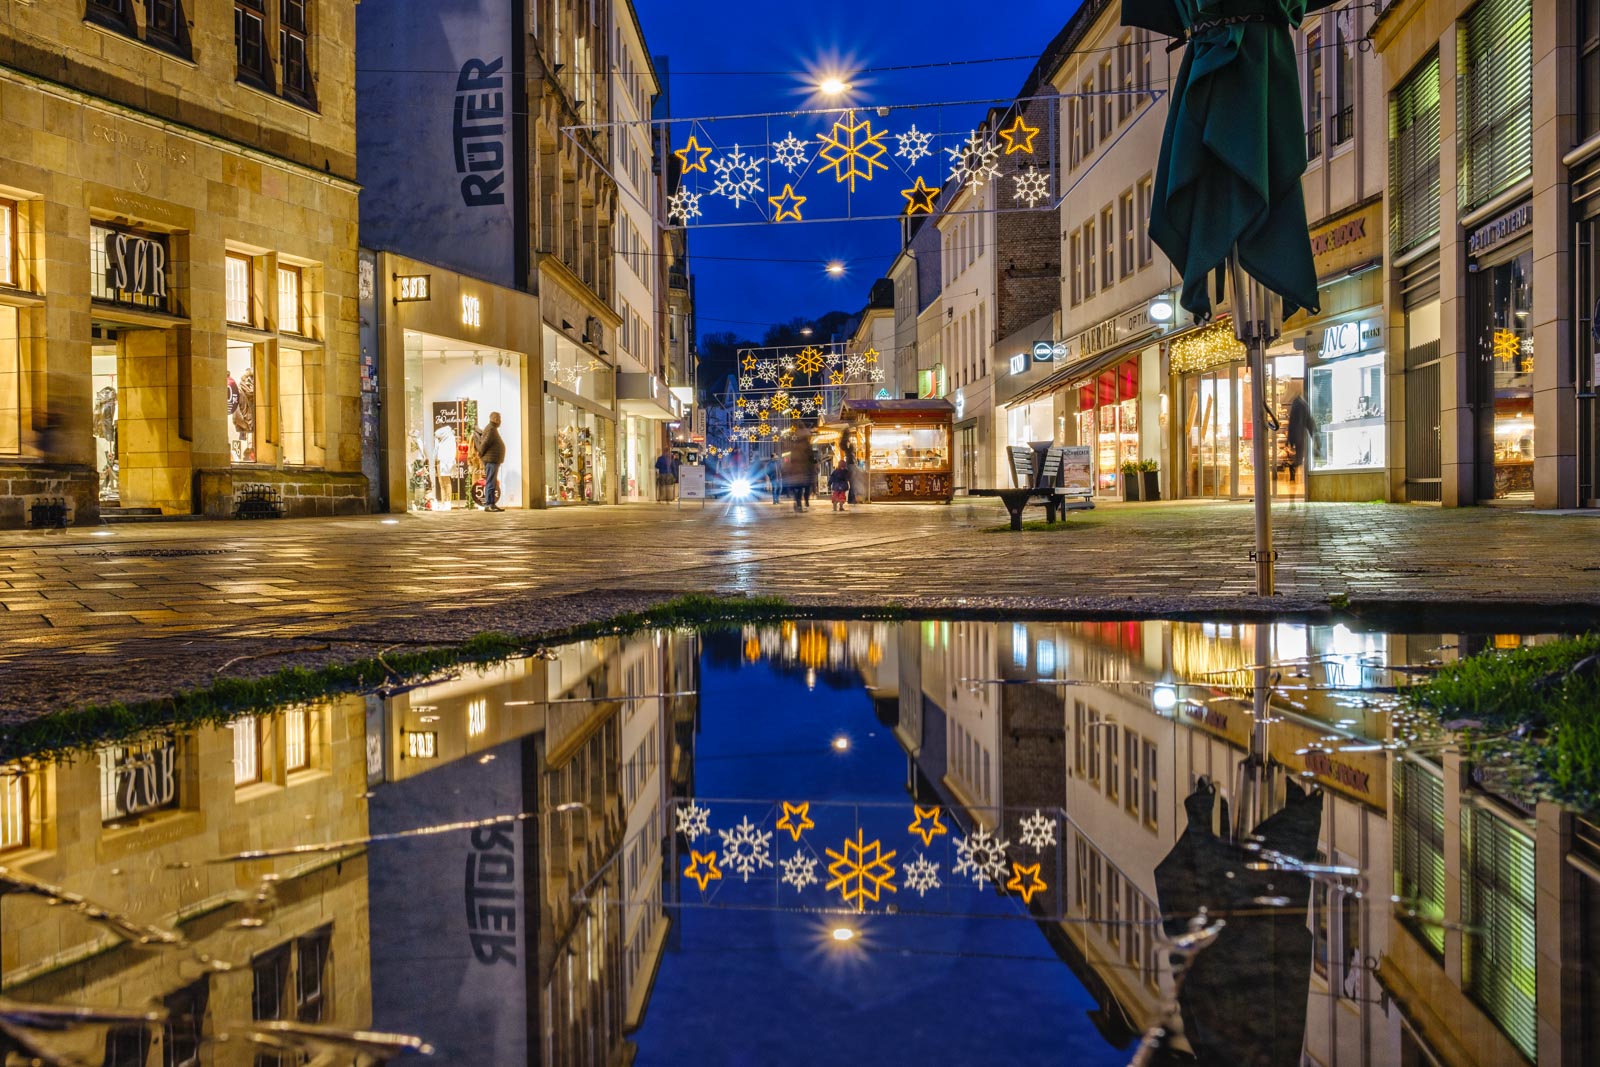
(1210, 347)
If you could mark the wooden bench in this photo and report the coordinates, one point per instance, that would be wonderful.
(1035, 488)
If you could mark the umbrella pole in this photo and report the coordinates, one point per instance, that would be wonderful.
(1254, 323)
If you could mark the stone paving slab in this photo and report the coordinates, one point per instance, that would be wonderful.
(131, 612)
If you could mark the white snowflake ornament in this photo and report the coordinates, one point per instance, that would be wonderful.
(746, 848)
(790, 153)
(1038, 831)
(913, 145)
(922, 875)
(747, 382)
(683, 207)
(980, 856)
(694, 821)
(877, 375)
(1032, 187)
(800, 870)
(738, 176)
(974, 162)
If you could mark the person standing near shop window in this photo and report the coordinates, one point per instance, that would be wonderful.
(492, 450)
(1302, 427)
(664, 478)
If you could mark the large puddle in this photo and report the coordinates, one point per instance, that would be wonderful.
(815, 842)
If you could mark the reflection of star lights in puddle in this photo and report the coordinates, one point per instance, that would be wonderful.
(841, 744)
(843, 933)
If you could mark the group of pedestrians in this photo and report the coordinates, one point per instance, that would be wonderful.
(792, 474)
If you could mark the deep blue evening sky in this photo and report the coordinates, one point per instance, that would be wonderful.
(707, 42)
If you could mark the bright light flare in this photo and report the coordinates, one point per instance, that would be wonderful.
(843, 933)
(833, 87)
(841, 744)
(739, 489)
(836, 269)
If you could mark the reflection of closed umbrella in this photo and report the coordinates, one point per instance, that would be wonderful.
(1244, 998)
(1227, 186)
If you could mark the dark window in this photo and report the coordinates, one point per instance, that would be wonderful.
(250, 42)
(126, 1046)
(294, 49)
(1314, 94)
(1414, 158)
(1494, 99)
(112, 14)
(165, 27)
(186, 1016)
(1589, 67)
(271, 972)
(1344, 79)
(315, 971)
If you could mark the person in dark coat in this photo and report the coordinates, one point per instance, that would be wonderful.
(839, 485)
(1302, 426)
(492, 450)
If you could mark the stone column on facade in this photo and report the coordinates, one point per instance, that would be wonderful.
(1555, 473)
(1457, 426)
(1559, 939)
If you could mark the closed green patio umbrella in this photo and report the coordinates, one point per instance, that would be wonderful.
(1227, 188)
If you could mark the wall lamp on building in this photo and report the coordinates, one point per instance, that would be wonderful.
(1161, 309)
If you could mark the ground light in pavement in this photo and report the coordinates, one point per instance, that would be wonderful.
(1144, 840)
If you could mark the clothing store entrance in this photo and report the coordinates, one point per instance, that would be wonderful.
(452, 387)
(105, 403)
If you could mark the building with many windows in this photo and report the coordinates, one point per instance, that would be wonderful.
(178, 257)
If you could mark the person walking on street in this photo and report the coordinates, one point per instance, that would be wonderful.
(807, 474)
(1302, 427)
(664, 478)
(492, 450)
(839, 485)
(774, 468)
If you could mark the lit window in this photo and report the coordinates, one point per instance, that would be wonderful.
(289, 300)
(1146, 192)
(246, 750)
(8, 243)
(237, 289)
(13, 809)
(296, 740)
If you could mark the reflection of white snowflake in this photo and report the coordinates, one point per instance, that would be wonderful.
(738, 175)
(914, 144)
(979, 855)
(800, 870)
(1032, 187)
(683, 207)
(855, 366)
(694, 821)
(1038, 831)
(746, 848)
(877, 375)
(974, 162)
(789, 153)
(922, 875)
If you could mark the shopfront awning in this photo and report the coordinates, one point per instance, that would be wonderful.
(647, 397)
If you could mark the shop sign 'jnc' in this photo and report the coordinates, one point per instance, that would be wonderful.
(1348, 338)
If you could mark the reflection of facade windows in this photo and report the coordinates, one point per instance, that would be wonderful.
(313, 959)
(246, 750)
(1500, 949)
(8, 243)
(1419, 853)
(296, 739)
(139, 780)
(186, 1015)
(294, 50)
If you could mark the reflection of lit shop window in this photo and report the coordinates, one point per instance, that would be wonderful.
(246, 750)
(16, 813)
(10, 381)
(139, 781)
(477, 718)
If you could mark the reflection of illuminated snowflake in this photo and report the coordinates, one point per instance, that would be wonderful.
(835, 356)
(1032, 187)
(922, 875)
(809, 361)
(789, 153)
(914, 144)
(683, 206)
(981, 856)
(861, 871)
(1038, 831)
(800, 870)
(746, 848)
(694, 821)
(738, 175)
(974, 162)
(1507, 345)
(877, 375)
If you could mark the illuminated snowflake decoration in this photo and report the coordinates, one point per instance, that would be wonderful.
(1032, 187)
(877, 375)
(800, 870)
(787, 363)
(746, 848)
(738, 176)
(1038, 831)
(855, 366)
(766, 370)
(694, 821)
(747, 382)
(974, 162)
(780, 401)
(914, 145)
(809, 361)
(851, 150)
(738, 414)
(835, 356)
(922, 875)
(790, 153)
(683, 207)
(980, 856)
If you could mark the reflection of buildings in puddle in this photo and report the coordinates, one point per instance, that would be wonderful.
(136, 829)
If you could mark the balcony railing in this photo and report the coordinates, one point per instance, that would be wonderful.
(1314, 142)
(1344, 125)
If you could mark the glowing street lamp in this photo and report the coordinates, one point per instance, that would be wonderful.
(833, 87)
(836, 269)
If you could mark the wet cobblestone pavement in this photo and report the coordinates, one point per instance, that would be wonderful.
(145, 610)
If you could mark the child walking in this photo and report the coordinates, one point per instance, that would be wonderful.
(839, 485)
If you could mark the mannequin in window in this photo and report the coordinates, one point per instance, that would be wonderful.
(444, 463)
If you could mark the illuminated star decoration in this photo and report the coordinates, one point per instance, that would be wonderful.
(786, 382)
(870, 356)
(746, 847)
(694, 821)
(929, 830)
(790, 153)
(919, 198)
(850, 147)
(788, 204)
(737, 175)
(749, 362)
(799, 870)
(974, 162)
(861, 871)
(702, 875)
(836, 377)
(1027, 889)
(683, 206)
(696, 149)
(1019, 137)
(913, 145)
(922, 875)
(809, 361)
(1038, 831)
(1032, 187)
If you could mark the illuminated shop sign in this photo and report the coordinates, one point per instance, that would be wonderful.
(412, 287)
(1019, 362)
(1348, 338)
(422, 744)
(134, 266)
(471, 311)
(1492, 233)
(139, 778)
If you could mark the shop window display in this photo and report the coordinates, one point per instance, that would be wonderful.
(10, 382)
(241, 402)
(914, 448)
(103, 365)
(1108, 421)
(1347, 404)
(1507, 339)
(576, 454)
(451, 388)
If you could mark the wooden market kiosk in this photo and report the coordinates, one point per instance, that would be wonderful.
(904, 446)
